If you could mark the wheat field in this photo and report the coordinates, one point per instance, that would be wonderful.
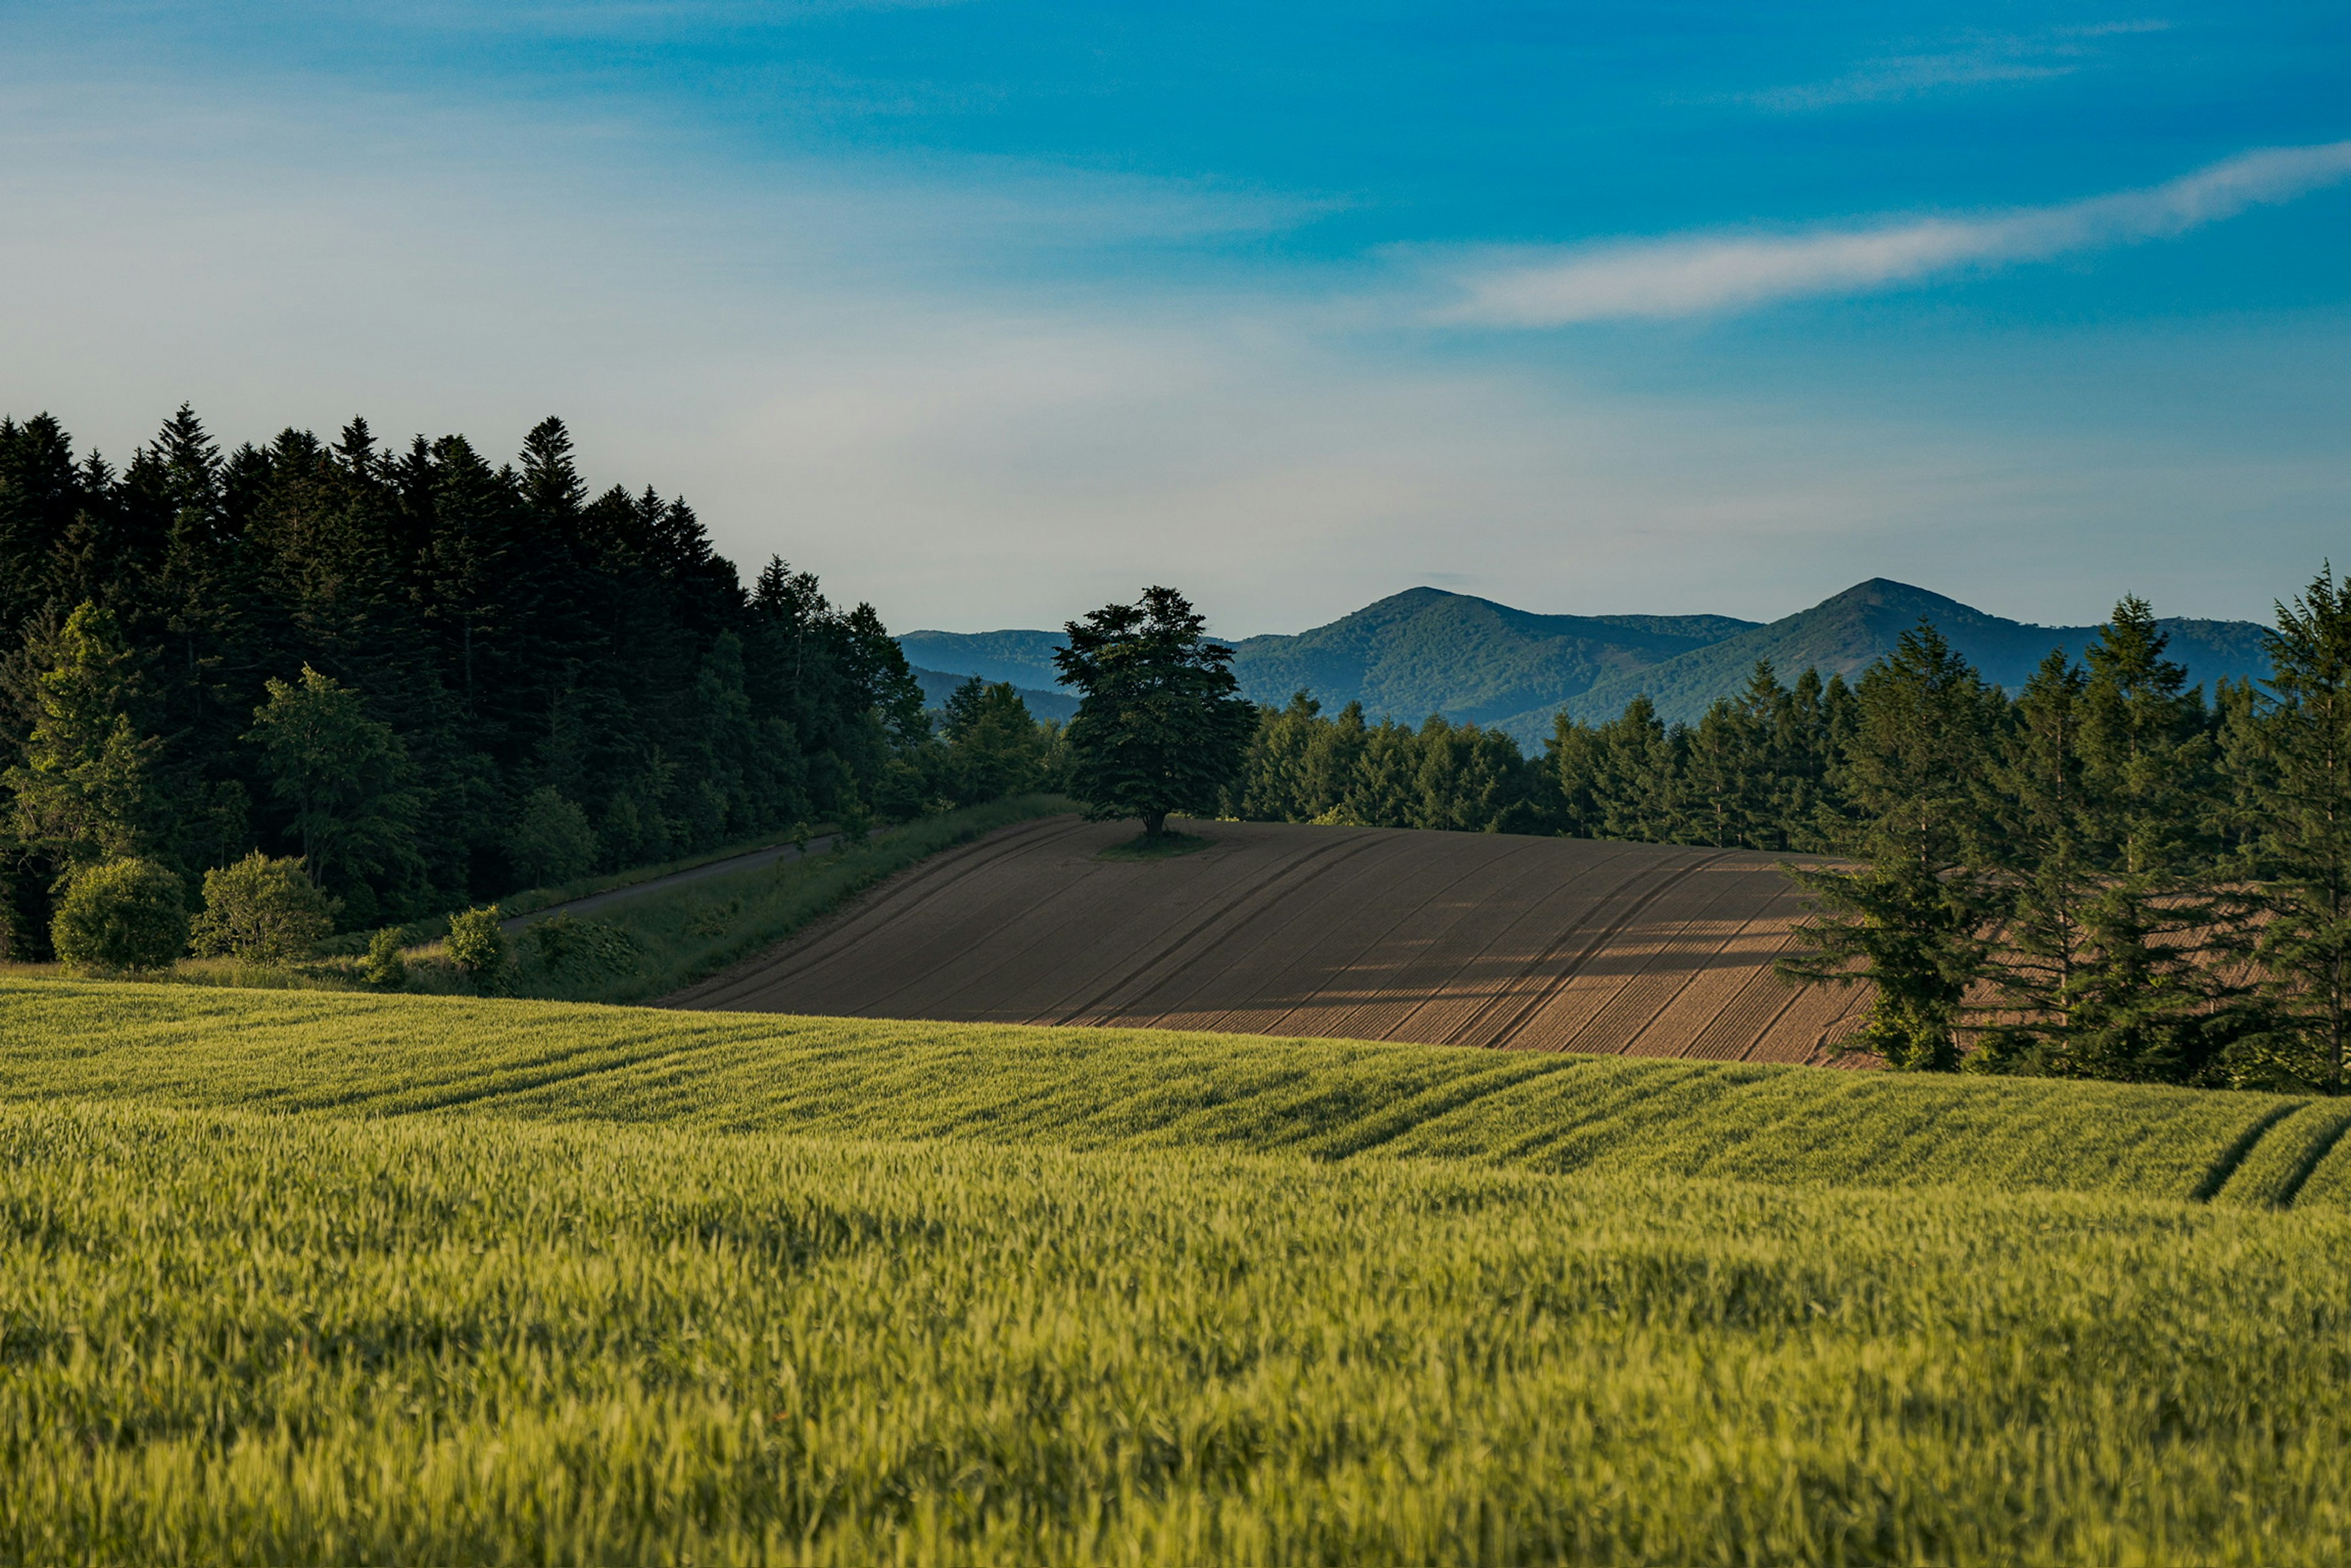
(299, 1277)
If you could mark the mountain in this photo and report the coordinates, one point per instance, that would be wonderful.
(1413, 654)
(938, 685)
(1427, 651)
(1024, 658)
(1845, 634)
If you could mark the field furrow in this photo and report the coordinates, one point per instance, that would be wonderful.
(1438, 938)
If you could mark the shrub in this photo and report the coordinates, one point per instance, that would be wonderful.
(121, 914)
(562, 947)
(551, 841)
(479, 946)
(262, 909)
(384, 968)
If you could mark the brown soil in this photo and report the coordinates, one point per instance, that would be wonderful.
(1357, 933)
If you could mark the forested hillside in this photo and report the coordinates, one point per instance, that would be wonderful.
(1427, 651)
(436, 674)
(1846, 634)
(1413, 654)
(1465, 658)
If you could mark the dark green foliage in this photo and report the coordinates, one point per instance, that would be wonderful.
(342, 774)
(119, 915)
(2149, 1007)
(86, 789)
(477, 946)
(379, 658)
(384, 968)
(568, 949)
(1912, 920)
(261, 909)
(551, 842)
(994, 747)
(2043, 845)
(1159, 729)
(2289, 755)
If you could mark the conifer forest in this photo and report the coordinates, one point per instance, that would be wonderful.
(437, 678)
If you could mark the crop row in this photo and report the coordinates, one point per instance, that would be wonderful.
(314, 1338)
(1079, 1088)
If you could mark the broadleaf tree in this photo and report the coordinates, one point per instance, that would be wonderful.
(1161, 726)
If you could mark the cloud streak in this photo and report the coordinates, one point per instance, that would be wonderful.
(1980, 61)
(1665, 278)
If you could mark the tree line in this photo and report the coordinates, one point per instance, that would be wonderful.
(430, 677)
(2107, 874)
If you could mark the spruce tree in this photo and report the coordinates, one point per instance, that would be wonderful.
(2148, 1003)
(2040, 848)
(2293, 766)
(1911, 921)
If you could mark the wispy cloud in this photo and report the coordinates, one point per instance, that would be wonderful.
(1698, 275)
(1978, 60)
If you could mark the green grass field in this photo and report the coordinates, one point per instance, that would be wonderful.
(306, 1277)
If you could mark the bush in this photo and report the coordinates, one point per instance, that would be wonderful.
(560, 947)
(384, 968)
(121, 914)
(264, 910)
(477, 946)
(551, 841)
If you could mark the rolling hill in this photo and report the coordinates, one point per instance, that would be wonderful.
(1427, 651)
(311, 1277)
(1482, 939)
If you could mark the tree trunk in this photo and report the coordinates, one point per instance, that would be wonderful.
(1155, 824)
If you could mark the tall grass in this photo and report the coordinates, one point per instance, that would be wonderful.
(235, 1337)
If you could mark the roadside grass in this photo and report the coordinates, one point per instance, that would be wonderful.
(304, 1339)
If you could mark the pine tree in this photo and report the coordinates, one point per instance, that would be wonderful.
(2293, 766)
(2148, 1003)
(1911, 921)
(2040, 849)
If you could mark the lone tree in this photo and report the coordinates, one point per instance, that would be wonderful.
(1161, 725)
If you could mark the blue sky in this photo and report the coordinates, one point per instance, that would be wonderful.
(989, 311)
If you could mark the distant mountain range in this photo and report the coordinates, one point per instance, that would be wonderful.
(1427, 651)
(938, 685)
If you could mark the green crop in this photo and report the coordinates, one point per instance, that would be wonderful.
(1085, 1088)
(312, 1339)
(304, 1277)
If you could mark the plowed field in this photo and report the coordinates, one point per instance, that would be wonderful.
(1358, 933)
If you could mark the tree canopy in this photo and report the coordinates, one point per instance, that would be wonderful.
(1160, 726)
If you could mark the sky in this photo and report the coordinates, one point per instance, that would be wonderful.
(992, 312)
